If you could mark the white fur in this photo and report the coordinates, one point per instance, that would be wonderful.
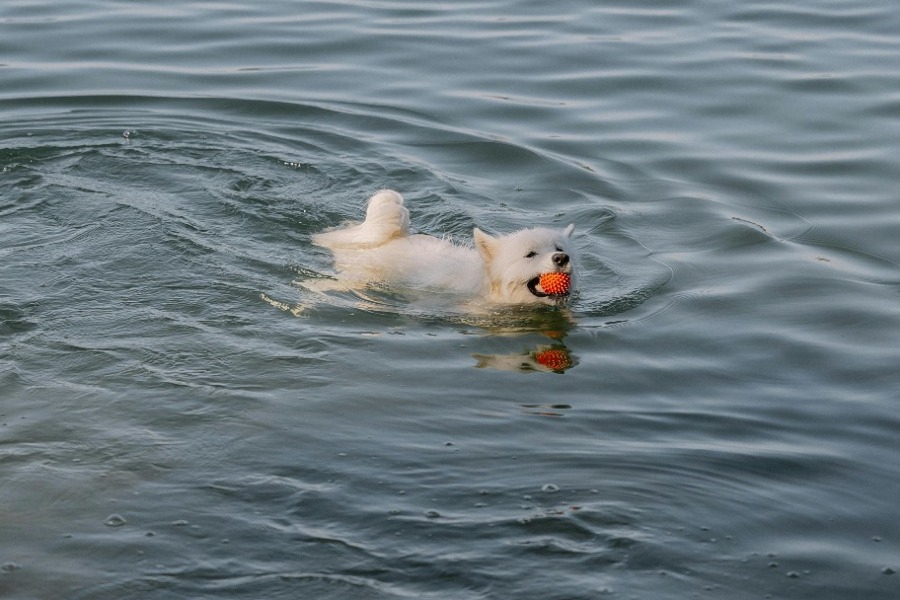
(381, 251)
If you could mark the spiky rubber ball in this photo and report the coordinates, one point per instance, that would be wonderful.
(555, 283)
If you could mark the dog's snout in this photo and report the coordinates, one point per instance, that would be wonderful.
(560, 259)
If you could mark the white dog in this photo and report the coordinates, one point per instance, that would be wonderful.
(505, 269)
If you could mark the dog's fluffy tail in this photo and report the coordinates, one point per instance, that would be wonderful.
(386, 219)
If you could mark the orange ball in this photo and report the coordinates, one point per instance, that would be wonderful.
(555, 283)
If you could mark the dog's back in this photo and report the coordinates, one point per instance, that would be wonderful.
(386, 219)
(380, 249)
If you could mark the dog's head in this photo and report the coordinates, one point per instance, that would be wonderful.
(514, 263)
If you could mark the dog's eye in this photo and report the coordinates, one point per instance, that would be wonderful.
(558, 249)
(531, 254)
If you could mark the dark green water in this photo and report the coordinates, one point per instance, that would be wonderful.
(179, 419)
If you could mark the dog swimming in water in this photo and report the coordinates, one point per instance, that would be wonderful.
(530, 266)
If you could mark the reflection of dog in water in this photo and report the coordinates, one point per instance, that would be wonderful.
(526, 267)
(554, 358)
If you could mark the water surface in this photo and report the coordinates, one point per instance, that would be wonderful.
(713, 416)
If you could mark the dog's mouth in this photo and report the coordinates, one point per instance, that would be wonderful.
(534, 286)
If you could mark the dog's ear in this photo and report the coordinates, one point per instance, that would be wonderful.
(485, 245)
(568, 230)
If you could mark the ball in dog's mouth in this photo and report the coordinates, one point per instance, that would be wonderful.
(554, 285)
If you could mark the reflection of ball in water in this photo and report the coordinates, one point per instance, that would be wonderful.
(555, 283)
(555, 359)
